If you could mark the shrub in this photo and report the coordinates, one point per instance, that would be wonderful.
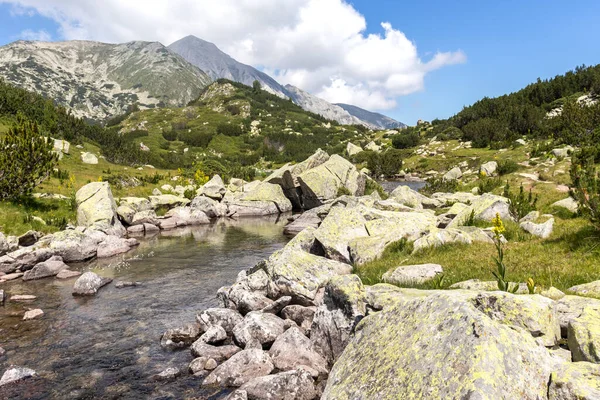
(487, 184)
(229, 129)
(26, 159)
(196, 139)
(435, 185)
(171, 136)
(372, 186)
(138, 133)
(586, 187)
(520, 204)
(406, 140)
(507, 167)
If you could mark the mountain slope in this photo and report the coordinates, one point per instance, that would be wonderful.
(99, 80)
(217, 64)
(379, 120)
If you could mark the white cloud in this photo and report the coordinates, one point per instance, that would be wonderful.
(40, 35)
(318, 45)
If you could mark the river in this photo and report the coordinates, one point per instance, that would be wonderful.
(107, 346)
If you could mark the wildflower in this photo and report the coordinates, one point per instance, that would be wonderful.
(483, 174)
(498, 225)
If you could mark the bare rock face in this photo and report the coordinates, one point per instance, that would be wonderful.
(88, 284)
(241, 368)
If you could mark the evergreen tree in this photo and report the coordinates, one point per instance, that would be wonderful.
(26, 159)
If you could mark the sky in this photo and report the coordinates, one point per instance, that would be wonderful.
(410, 60)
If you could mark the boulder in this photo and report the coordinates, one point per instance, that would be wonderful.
(414, 350)
(218, 353)
(540, 230)
(553, 293)
(184, 336)
(302, 316)
(453, 175)
(568, 204)
(16, 374)
(144, 217)
(168, 374)
(563, 152)
(74, 245)
(223, 317)
(240, 297)
(32, 314)
(29, 238)
(283, 177)
(338, 229)
(268, 192)
(353, 149)
(24, 258)
(238, 208)
(530, 217)
(441, 237)
(89, 158)
(344, 305)
(412, 274)
(214, 188)
(210, 207)
(575, 381)
(328, 179)
(97, 209)
(113, 245)
(48, 268)
(489, 168)
(591, 289)
(448, 199)
(126, 213)
(241, 368)
(61, 146)
(136, 203)
(296, 384)
(89, 283)
(584, 335)
(484, 208)
(307, 219)
(411, 198)
(258, 326)
(373, 147)
(214, 335)
(292, 350)
(188, 216)
(167, 201)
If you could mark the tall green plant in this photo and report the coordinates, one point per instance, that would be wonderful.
(26, 159)
(500, 273)
(520, 204)
(586, 188)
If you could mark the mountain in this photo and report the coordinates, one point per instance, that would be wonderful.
(322, 107)
(379, 120)
(99, 80)
(217, 64)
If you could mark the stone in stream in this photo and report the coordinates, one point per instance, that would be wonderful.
(46, 269)
(11, 277)
(223, 317)
(23, 297)
(114, 245)
(16, 374)
(32, 314)
(89, 283)
(295, 384)
(2, 351)
(575, 381)
(240, 369)
(67, 274)
(219, 353)
(126, 284)
(180, 337)
(168, 374)
(24, 258)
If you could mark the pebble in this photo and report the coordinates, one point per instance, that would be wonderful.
(32, 314)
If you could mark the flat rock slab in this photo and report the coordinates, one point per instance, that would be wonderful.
(67, 274)
(23, 297)
(413, 274)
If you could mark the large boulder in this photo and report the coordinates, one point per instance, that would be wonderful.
(439, 346)
(144, 217)
(579, 381)
(453, 175)
(241, 368)
(263, 193)
(296, 385)
(223, 317)
(24, 258)
(327, 180)
(484, 208)
(136, 203)
(89, 158)
(441, 237)
(183, 336)
(411, 198)
(188, 216)
(167, 201)
(489, 168)
(584, 335)
(259, 327)
(88, 284)
(97, 209)
(74, 245)
(210, 207)
(46, 269)
(412, 274)
(113, 245)
(353, 149)
(214, 188)
(292, 350)
(337, 230)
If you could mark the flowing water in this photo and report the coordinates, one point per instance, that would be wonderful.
(107, 346)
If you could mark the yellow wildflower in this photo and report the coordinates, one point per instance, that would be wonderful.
(483, 174)
(498, 225)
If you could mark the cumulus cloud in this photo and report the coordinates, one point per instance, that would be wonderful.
(318, 45)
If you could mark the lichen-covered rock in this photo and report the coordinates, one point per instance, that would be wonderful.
(214, 188)
(591, 289)
(568, 204)
(579, 381)
(489, 168)
(136, 203)
(570, 308)
(212, 208)
(292, 349)
(268, 192)
(296, 385)
(219, 353)
(126, 213)
(45, 269)
(323, 183)
(144, 217)
(453, 175)
(353, 149)
(258, 326)
(308, 219)
(543, 230)
(97, 209)
(302, 316)
(16, 374)
(344, 305)
(241, 368)
(484, 208)
(223, 317)
(584, 335)
(337, 230)
(167, 201)
(441, 237)
(439, 346)
(553, 293)
(412, 274)
(73, 245)
(89, 283)
(411, 198)
(449, 199)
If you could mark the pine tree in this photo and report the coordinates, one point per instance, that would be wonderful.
(26, 159)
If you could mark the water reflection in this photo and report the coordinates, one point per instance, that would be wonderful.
(107, 346)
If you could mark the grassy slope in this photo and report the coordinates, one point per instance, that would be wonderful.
(569, 257)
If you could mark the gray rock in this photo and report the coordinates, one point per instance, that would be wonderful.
(563, 152)
(489, 168)
(73, 245)
(238, 395)
(541, 230)
(453, 175)
(553, 293)
(259, 326)
(241, 368)
(575, 381)
(168, 374)
(210, 207)
(302, 316)
(584, 335)
(136, 203)
(223, 317)
(97, 209)
(32, 314)
(88, 284)
(48, 268)
(177, 338)
(23, 297)
(214, 335)
(2, 296)
(412, 274)
(570, 308)
(24, 258)
(197, 366)
(414, 350)
(89, 158)
(587, 289)
(29, 238)
(16, 374)
(568, 204)
(188, 216)
(292, 349)
(531, 217)
(214, 188)
(126, 213)
(240, 297)
(167, 201)
(113, 245)
(144, 217)
(296, 384)
(126, 284)
(278, 305)
(484, 208)
(67, 274)
(218, 353)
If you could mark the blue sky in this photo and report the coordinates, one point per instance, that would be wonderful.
(507, 44)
